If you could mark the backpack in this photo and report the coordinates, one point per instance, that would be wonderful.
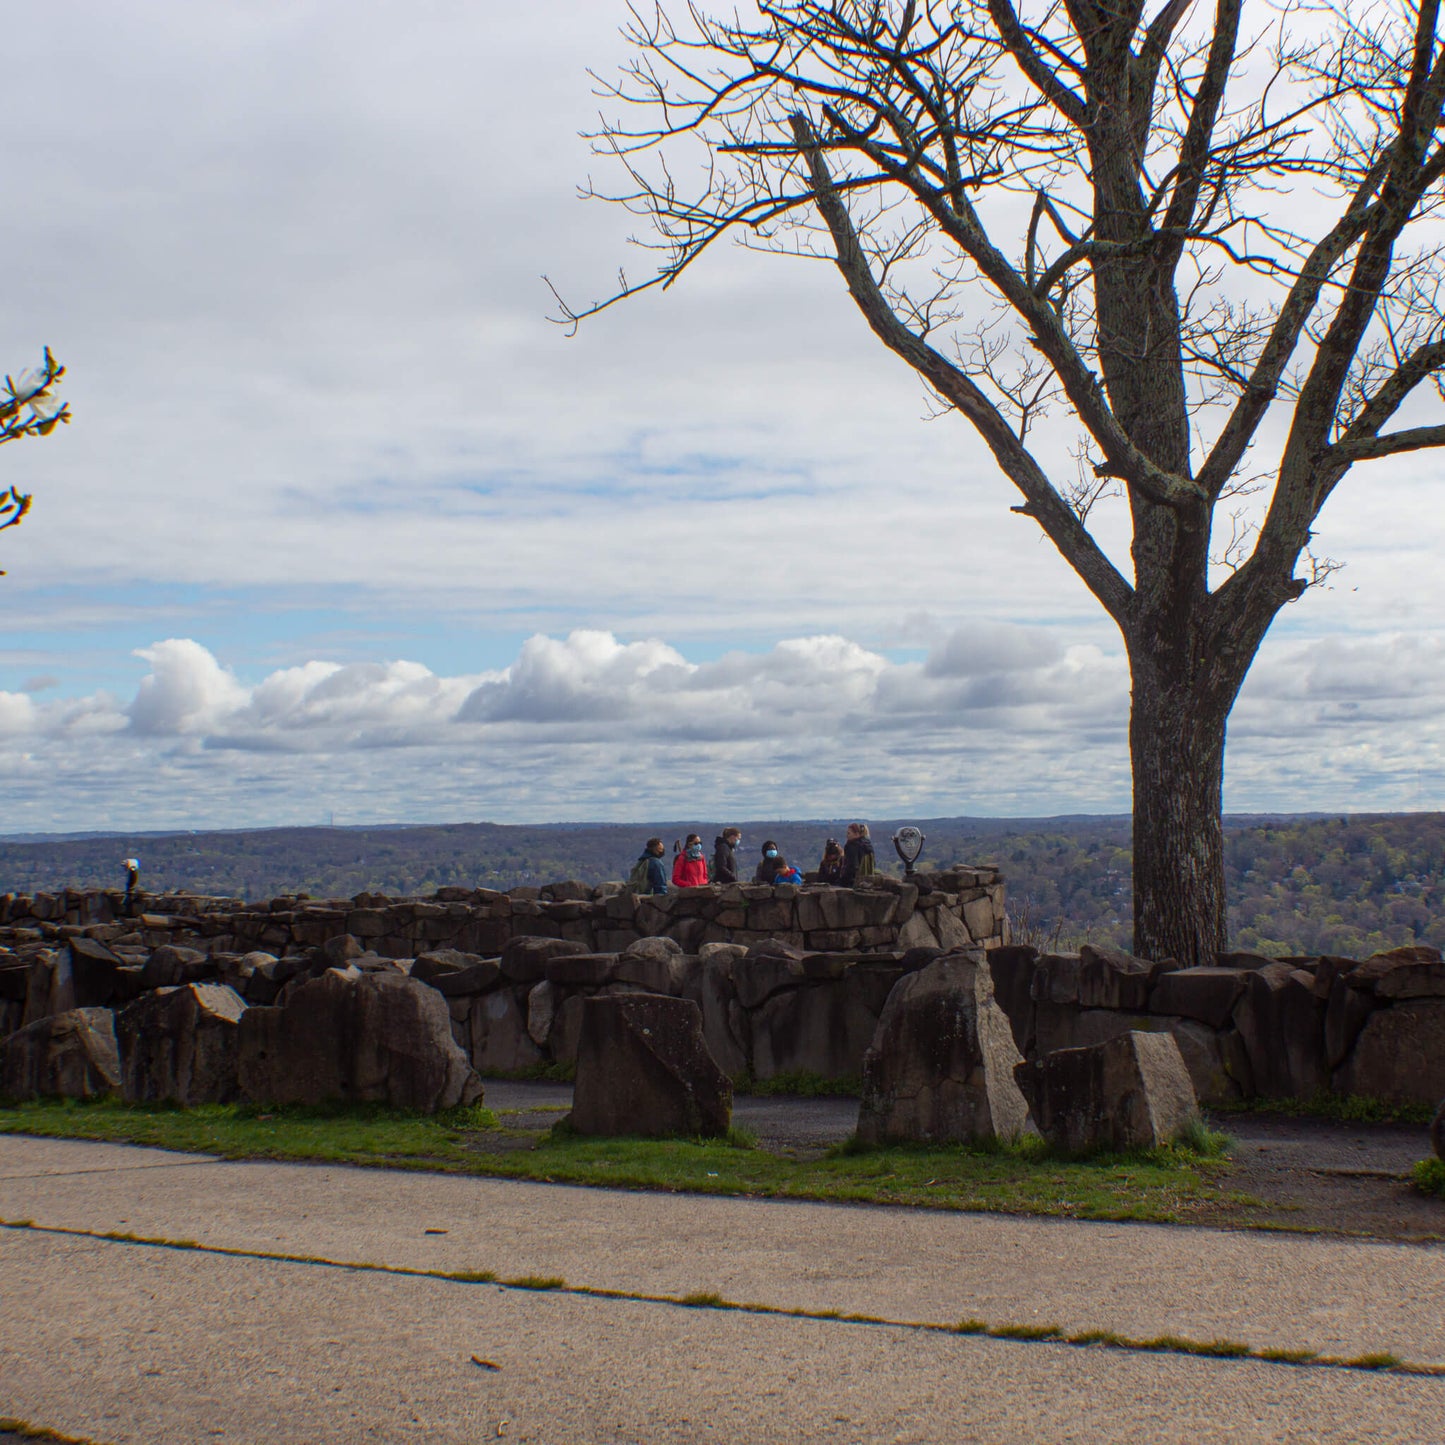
(637, 880)
(865, 864)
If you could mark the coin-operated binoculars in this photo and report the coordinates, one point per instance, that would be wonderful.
(908, 844)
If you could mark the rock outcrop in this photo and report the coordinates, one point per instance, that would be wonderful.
(1130, 1092)
(644, 1068)
(179, 1045)
(70, 1055)
(940, 1066)
(367, 1037)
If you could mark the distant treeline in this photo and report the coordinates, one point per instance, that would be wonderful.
(1347, 885)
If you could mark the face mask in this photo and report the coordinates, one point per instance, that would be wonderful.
(771, 853)
(694, 850)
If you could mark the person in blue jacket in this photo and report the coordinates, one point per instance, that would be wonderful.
(655, 874)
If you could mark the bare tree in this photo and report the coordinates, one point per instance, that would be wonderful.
(1212, 254)
(28, 408)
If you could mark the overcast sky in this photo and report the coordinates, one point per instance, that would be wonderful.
(344, 527)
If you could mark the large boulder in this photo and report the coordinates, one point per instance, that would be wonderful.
(1131, 1092)
(1206, 994)
(643, 1068)
(524, 960)
(376, 1037)
(455, 974)
(178, 1045)
(70, 1055)
(93, 969)
(171, 964)
(940, 1067)
(1414, 971)
(1012, 967)
(1281, 1021)
(822, 1030)
(724, 1021)
(1399, 1055)
(1111, 978)
(497, 1026)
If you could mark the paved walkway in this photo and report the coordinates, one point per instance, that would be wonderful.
(118, 1341)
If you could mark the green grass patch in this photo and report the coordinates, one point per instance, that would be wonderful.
(1025, 1332)
(27, 1431)
(1172, 1184)
(1199, 1139)
(1429, 1176)
(1276, 1356)
(1342, 1108)
(333, 1134)
(1377, 1360)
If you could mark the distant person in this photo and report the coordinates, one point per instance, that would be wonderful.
(724, 856)
(648, 875)
(858, 860)
(784, 872)
(767, 864)
(689, 867)
(830, 869)
(132, 882)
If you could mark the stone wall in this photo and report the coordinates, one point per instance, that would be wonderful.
(948, 909)
(789, 981)
(1252, 1027)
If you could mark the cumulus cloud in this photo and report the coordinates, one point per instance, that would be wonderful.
(587, 677)
(186, 691)
(1006, 722)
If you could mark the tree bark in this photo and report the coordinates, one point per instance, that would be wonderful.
(1176, 739)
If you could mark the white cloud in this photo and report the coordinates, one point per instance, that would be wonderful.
(186, 692)
(1002, 721)
(316, 398)
(589, 677)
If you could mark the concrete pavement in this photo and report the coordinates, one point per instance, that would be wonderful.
(129, 1342)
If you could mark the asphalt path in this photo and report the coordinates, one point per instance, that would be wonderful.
(222, 1339)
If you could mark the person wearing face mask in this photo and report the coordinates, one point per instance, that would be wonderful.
(689, 867)
(724, 858)
(648, 875)
(768, 863)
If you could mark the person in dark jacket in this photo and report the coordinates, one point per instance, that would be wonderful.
(858, 861)
(768, 863)
(830, 870)
(724, 856)
(655, 873)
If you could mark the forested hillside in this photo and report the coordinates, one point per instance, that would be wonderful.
(1348, 885)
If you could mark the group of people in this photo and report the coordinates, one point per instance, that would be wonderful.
(841, 865)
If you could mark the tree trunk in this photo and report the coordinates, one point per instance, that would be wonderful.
(1176, 739)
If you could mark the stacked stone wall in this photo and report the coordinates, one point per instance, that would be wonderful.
(1251, 1027)
(950, 909)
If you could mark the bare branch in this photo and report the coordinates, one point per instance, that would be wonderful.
(1042, 502)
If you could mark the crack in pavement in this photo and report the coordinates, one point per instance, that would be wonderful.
(1092, 1338)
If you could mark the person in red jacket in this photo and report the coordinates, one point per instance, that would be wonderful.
(689, 868)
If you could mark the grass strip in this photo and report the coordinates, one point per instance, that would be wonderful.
(1006, 1331)
(27, 1431)
(1171, 1185)
(1340, 1108)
